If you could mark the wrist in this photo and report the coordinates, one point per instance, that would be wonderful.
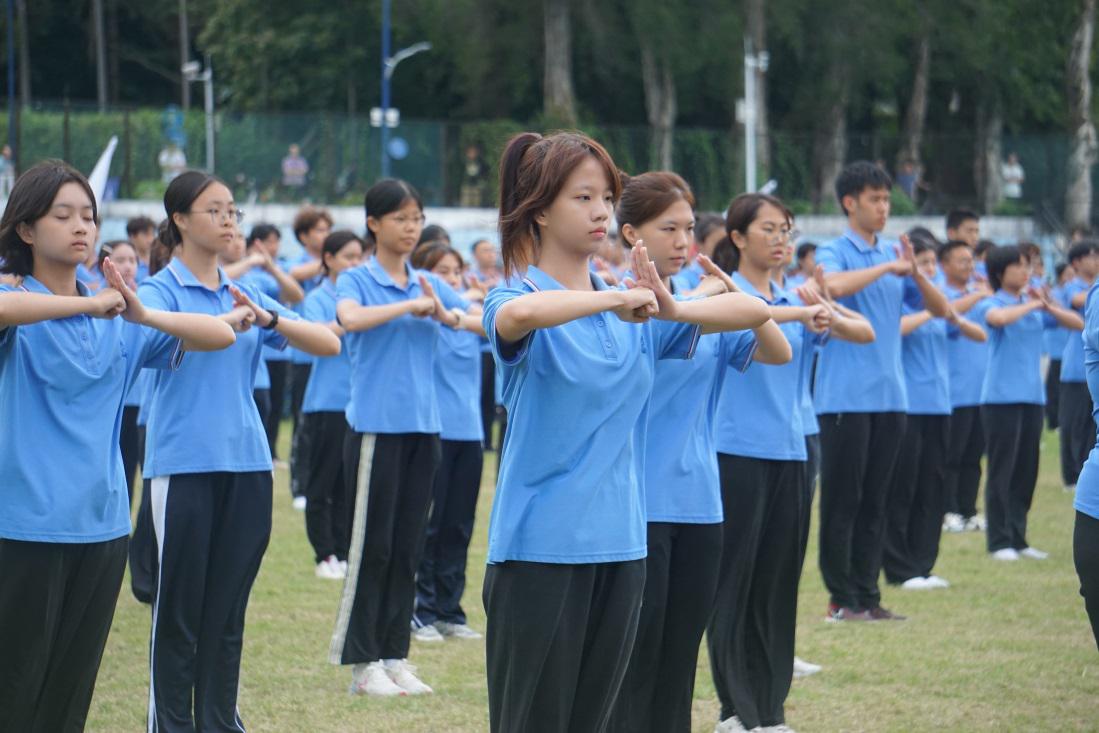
(266, 319)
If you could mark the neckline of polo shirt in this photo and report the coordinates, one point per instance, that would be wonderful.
(544, 281)
(776, 290)
(38, 287)
(861, 244)
(383, 278)
(187, 278)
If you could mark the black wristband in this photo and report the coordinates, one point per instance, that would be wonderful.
(274, 321)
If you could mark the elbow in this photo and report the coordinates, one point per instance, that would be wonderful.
(863, 335)
(328, 344)
(226, 337)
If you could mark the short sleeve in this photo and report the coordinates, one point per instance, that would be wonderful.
(507, 352)
(6, 331)
(1091, 322)
(738, 348)
(347, 288)
(153, 295)
(314, 310)
(913, 298)
(155, 349)
(675, 340)
(828, 257)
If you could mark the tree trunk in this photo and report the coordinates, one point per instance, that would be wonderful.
(24, 54)
(113, 77)
(558, 98)
(100, 33)
(988, 153)
(1083, 153)
(830, 140)
(660, 104)
(757, 31)
(184, 55)
(914, 117)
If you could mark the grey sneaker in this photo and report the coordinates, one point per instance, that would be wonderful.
(428, 634)
(456, 631)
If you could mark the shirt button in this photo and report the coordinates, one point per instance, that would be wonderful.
(607, 344)
(599, 323)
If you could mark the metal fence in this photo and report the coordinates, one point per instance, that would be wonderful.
(454, 163)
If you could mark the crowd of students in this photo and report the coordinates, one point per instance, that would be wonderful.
(671, 399)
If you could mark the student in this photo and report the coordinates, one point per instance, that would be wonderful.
(761, 458)
(683, 496)
(1055, 340)
(485, 274)
(860, 392)
(1074, 412)
(963, 225)
(709, 230)
(1012, 398)
(806, 257)
(326, 396)
(66, 363)
(391, 314)
(1085, 536)
(967, 360)
(980, 252)
(232, 261)
(141, 231)
(914, 508)
(311, 227)
(567, 537)
(209, 464)
(441, 577)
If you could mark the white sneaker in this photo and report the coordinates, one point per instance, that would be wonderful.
(934, 581)
(1007, 554)
(339, 569)
(953, 522)
(916, 583)
(730, 725)
(371, 679)
(1070, 488)
(404, 676)
(343, 567)
(976, 523)
(428, 634)
(458, 631)
(325, 571)
(299, 503)
(780, 728)
(1034, 553)
(805, 669)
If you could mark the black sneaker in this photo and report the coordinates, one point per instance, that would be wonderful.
(881, 613)
(837, 613)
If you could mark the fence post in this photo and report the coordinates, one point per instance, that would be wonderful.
(127, 170)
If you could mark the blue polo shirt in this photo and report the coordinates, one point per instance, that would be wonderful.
(298, 356)
(866, 377)
(266, 283)
(927, 368)
(1087, 487)
(203, 416)
(759, 412)
(458, 385)
(690, 276)
(1056, 337)
(571, 484)
(329, 385)
(681, 476)
(393, 365)
(968, 359)
(63, 384)
(1072, 358)
(1014, 373)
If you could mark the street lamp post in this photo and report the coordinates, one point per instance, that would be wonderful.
(389, 65)
(753, 61)
(191, 74)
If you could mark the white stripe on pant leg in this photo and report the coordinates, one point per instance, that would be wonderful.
(354, 557)
(158, 501)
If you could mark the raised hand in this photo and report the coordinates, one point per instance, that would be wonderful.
(648, 277)
(240, 318)
(240, 298)
(817, 318)
(640, 304)
(438, 310)
(714, 271)
(905, 264)
(134, 310)
(107, 303)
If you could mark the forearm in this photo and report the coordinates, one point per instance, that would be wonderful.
(787, 313)
(853, 328)
(708, 287)
(771, 346)
(913, 321)
(971, 330)
(1005, 316)
(1080, 299)
(725, 312)
(236, 270)
(196, 331)
(966, 302)
(470, 322)
(307, 271)
(290, 292)
(20, 309)
(354, 317)
(1067, 318)
(843, 284)
(550, 308)
(313, 338)
(933, 298)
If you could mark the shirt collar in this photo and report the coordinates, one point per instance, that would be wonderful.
(1007, 297)
(32, 285)
(781, 297)
(860, 244)
(539, 280)
(376, 271)
(185, 278)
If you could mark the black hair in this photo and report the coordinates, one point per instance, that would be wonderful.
(30, 199)
(921, 245)
(999, 259)
(1059, 270)
(923, 235)
(1083, 248)
(139, 224)
(983, 247)
(949, 247)
(859, 176)
(805, 249)
(336, 241)
(385, 197)
(261, 232)
(956, 217)
(181, 193)
(107, 249)
(706, 223)
(477, 244)
(433, 233)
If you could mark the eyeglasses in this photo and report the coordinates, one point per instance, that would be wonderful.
(782, 235)
(403, 220)
(217, 216)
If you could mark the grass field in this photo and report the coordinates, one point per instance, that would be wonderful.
(1007, 648)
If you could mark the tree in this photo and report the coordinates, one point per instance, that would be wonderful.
(1083, 154)
(560, 101)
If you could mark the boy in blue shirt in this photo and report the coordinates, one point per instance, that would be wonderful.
(860, 391)
(1085, 538)
(1074, 411)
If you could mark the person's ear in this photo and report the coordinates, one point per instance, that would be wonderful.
(25, 232)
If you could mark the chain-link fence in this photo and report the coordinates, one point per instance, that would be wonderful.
(455, 163)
